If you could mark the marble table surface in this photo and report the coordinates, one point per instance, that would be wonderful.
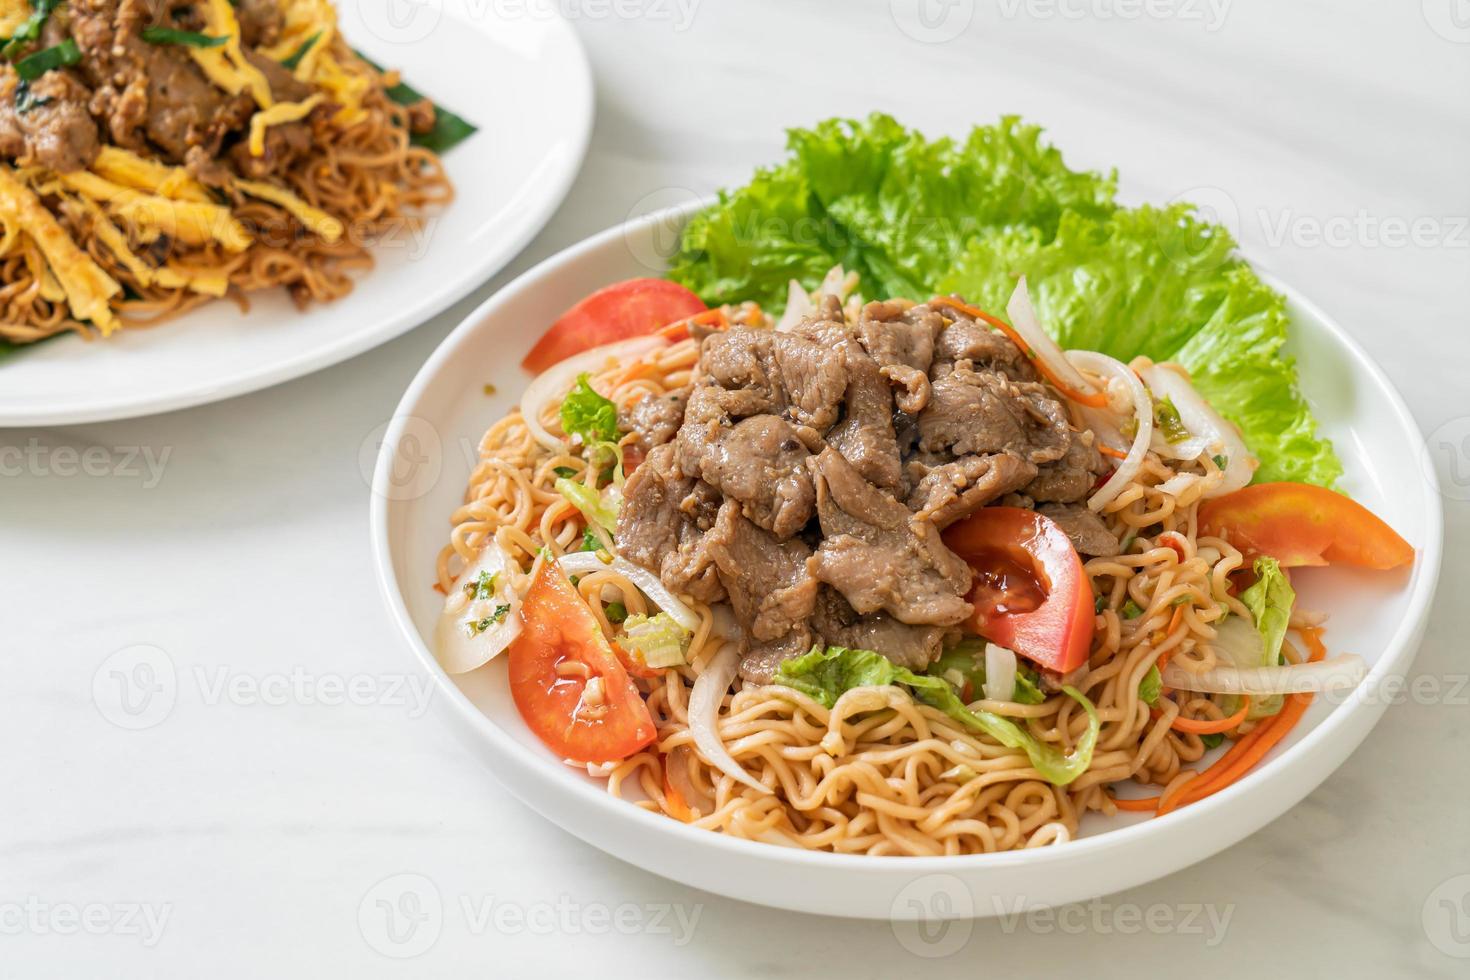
(294, 790)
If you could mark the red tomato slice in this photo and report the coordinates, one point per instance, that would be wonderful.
(558, 630)
(1030, 591)
(624, 309)
(1299, 524)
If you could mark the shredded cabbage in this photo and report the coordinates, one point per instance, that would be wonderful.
(656, 640)
(824, 675)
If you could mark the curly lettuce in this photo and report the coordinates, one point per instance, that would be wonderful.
(915, 216)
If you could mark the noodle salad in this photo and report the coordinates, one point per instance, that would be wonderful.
(890, 577)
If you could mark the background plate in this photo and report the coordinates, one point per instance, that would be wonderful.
(523, 81)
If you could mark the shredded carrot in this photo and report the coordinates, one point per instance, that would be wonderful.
(1213, 726)
(1110, 451)
(1152, 803)
(1094, 399)
(674, 802)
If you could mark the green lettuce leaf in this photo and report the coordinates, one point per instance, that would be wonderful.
(656, 640)
(587, 414)
(1270, 600)
(824, 675)
(964, 664)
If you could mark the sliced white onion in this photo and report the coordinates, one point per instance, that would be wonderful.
(557, 380)
(1143, 415)
(1000, 673)
(1028, 325)
(458, 647)
(798, 305)
(837, 282)
(582, 562)
(704, 714)
(1340, 673)
(1209, 433)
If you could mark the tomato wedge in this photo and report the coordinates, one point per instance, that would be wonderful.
(625, 309)
(1300, 524)
(1030, 592)
(567, 684)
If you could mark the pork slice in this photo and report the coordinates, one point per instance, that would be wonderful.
(947, 492)
(984, 349)
(758, 460)
(654, 419)
(900, 339)
(878, 555)
(1072, 477)
(51, 127)
(985, 412)
(1089, 535)
(662, 526)
(838, 624)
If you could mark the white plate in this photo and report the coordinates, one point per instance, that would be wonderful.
(430, 448)
(523, 81)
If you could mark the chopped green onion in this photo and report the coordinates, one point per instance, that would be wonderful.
(565, 471)
(1213, 739)
(1131, 610)
(497, 616)
(616, 612)
(483, 587)
(33, 66)
(292, 60)
(1170, 423)
(191, 39)
(30, 28)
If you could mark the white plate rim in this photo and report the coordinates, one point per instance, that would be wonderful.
(1397, 654)
(502, 250)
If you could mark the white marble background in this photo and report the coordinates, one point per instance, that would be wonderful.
(253, 832)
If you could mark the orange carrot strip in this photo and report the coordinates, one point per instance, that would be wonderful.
(1094, 399)
(1152, 803)
(1212, 726)
(1110, 451)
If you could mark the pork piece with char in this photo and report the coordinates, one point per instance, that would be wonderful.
(879, 556)
(663, 523)
(984, 349)
(1072, 477)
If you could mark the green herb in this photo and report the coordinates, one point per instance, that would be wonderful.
(483, 587)
(587, 414)
(449, 129)
(590, 541)
(1221, 461)
(188, 39)
(615, 612)
(30, 28)
(1213, 739)
(26, 100)
(33, 66)
(1099, 604)
(565, 471)
(1131, 610)
(1151, 688)
(291, 61)
(1127, 542)
(824, 675)
(495, 617)
(1169, 421)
